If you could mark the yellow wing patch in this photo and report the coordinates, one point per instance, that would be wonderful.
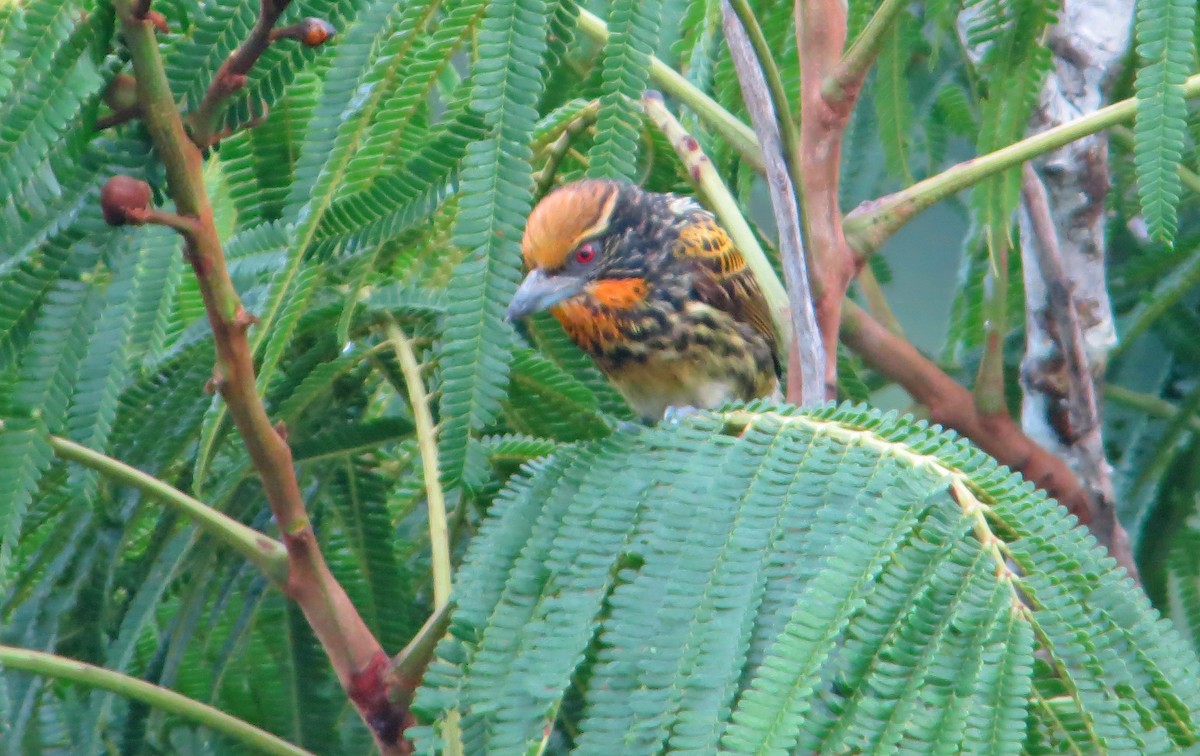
(706, 240)
(564, 218)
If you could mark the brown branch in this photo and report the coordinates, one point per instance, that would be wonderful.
(820, 35)
(846, 79)
(231, 76)
(1083, 409)
(354, 652)
(952, 406)
(806, 359)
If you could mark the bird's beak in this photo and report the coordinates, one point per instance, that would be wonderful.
(539, 291)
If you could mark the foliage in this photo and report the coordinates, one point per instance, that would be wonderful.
(388, 180)
(836, 581)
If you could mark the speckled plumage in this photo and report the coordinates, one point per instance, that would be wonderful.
(667, 308)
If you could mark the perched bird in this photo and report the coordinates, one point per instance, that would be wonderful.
(654, 290)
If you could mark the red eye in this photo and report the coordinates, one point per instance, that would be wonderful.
(586, 253)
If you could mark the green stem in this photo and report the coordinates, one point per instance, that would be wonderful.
(263, 552)
(439, 531)
(989, 381)
(1148, 403)
(718, 197)
(62, 668)
(872, 223)
(848, 76)
(876, 300)
(739, 135)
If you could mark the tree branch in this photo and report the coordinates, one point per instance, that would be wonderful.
(806, 358)
(952, 406)
(820, 35)
(439, 532)
(61, 668)
(1083, 427)
(263, 552)
(352, 649)
(231, 76)
(873, 222)
(846, 79)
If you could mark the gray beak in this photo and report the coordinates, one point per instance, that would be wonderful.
(539, 291)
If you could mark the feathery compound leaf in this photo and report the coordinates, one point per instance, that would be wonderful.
(892, 98)
(778, 581)
(1015, 62)
(633, 36)
(1165, 43)
(496, 192)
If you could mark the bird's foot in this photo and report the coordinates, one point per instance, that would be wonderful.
(676, 415)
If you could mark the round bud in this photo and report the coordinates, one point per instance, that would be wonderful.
(315, 32)
(120, 196)
(121, 93)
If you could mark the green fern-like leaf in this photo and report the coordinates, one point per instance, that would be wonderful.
(1166, 46)
(1015, 62)
(893, 101)
(772, 580)
(495, 195)
(633, 37)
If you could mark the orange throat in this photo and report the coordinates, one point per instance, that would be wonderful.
(595, 321)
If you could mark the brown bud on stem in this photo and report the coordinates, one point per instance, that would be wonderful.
(124, 200)
(311, 32)
(121, 93)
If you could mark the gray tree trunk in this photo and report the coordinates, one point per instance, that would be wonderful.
(1069, 318)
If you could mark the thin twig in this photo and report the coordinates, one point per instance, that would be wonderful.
(439, 532)
(260, 550)
(231, 76)
(61, 668)
(873, 222)
(809, 358)
(787, 133)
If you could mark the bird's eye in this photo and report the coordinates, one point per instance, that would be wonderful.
(586, 253)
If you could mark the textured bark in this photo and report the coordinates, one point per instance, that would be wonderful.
(1069, 319)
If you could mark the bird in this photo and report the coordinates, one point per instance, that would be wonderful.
(654, 290)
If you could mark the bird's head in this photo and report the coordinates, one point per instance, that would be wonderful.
(575, 250)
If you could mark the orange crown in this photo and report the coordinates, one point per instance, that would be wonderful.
(564, 219)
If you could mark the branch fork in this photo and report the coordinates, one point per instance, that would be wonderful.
(232, 76)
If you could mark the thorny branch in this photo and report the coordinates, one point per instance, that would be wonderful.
(357, 657)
